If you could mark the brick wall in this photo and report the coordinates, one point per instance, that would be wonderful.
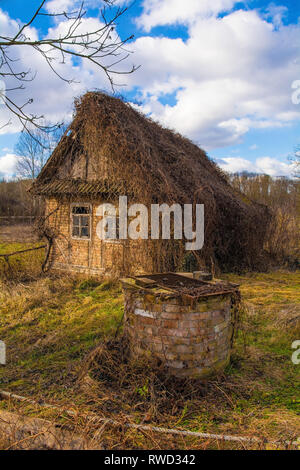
(94, 256)
(192, 340)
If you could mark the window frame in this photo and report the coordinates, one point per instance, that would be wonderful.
(89, 215)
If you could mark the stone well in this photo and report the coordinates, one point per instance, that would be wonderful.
(187, 323)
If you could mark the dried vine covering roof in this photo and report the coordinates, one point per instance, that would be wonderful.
(154, 165)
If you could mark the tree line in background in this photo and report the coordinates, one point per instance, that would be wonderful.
(281, 195)
(33, 150)
(15, 201)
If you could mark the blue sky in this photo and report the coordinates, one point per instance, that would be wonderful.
(219, 72)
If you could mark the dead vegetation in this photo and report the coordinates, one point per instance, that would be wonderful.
(65, 346)
(281, 195)
(15, 201)
(18, 432)
(63, 349)
(17, 233)
(21, 262)
(151, 164)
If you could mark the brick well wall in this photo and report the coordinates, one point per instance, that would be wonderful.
(193, 341)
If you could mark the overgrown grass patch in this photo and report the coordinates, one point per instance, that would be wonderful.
(53, 325)
(49, 325)
(21, 266)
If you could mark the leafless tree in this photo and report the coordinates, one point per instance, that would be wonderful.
(281, 195)
(34, 148)
(101, 47)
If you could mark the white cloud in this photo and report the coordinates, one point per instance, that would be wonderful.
(8, 165)
(276, 13)
(231, 75)
(236, 164)
(273, 167)
(265, 165)
(59, 6)
(166, 12)
(52, 97)
(69, 6)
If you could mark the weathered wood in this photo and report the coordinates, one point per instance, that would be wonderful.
(145, 282)
(50, 244)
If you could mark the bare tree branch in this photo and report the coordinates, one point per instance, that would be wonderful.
(95, 47)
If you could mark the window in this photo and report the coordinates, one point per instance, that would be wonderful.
(81, 221)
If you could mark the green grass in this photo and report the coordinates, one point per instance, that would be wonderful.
(51, 326)
(52, 323)
(22, 266)
(263, 349)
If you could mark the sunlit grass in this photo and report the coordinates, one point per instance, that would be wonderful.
(22, 265)
(52, 323)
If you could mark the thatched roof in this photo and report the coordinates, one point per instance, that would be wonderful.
(111, 145)
(78, 187)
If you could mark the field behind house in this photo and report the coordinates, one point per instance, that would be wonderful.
(65, 346)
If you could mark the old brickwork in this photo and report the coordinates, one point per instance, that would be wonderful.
(93, 256)
(192, 340)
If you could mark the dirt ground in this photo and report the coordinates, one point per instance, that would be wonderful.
(17, 233)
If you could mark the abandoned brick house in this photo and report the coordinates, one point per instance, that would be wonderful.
(111, 149)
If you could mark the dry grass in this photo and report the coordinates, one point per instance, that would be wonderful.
(19, 432)
(62, 349)
(18, 233)
(21, 267)
(24, 266)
